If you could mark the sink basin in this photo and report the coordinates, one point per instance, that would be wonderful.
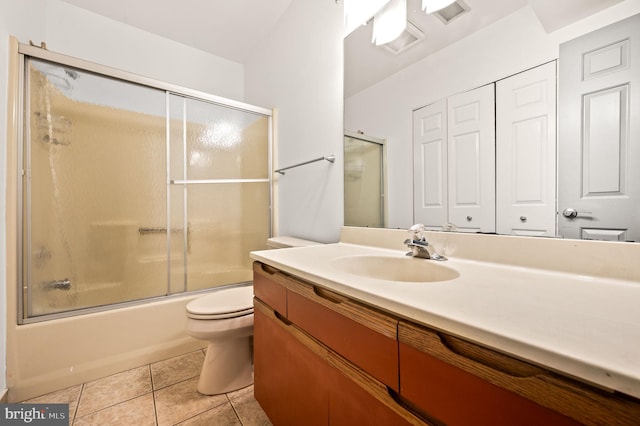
(391, 268)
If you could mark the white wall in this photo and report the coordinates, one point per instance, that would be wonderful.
(76, 32)
(511, 45)
(298, 69)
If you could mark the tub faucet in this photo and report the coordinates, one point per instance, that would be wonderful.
(419, 245)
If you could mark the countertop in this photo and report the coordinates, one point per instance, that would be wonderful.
(583, 326)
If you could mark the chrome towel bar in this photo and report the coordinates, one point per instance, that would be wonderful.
(329, 158)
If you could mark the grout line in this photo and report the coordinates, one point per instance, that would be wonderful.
(79, 401)
(153, 396)
(233, 407)
(73, 417)
(153, 384)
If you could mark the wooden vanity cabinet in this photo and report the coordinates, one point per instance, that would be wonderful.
(304, 378)
(460, 383)
(321, 358)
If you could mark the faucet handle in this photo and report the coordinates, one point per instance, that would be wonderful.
(416, 231)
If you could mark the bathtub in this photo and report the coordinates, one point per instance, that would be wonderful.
(50, 355)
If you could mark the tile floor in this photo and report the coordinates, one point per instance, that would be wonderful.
(162, 393)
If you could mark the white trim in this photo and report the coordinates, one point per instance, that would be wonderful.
(40, 53)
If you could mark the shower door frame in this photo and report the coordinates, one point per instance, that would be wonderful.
(26, 51)
(382, 145)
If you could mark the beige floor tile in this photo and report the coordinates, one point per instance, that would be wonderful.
(114, 389)
(64, 396)
(240, 392)
(248, 409)
(182, 401)
(223, 415)
(177, 369)
(138, 411)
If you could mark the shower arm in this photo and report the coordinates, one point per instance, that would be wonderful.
(329, 158)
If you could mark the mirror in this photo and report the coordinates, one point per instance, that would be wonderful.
(521, 35)
(364, 181)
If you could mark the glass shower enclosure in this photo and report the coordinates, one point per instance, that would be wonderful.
(365, 202)
(133, 189)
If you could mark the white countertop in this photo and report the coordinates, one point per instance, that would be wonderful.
(584, 326)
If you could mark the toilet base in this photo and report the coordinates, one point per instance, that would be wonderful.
(228, 366)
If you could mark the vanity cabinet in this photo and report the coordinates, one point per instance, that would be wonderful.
(323, 358)
(317, 359)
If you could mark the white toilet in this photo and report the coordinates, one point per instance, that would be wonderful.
(224, 318)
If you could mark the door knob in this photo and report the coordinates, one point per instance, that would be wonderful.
(573, 213)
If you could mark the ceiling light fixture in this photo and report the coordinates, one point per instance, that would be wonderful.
(430, 6)
(389, 22)
(358, 12)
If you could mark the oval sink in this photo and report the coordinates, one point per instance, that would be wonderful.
(392, 268)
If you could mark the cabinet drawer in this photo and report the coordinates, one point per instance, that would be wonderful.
(363, 336)
(456, 381)
(269, 286)
(357, 399)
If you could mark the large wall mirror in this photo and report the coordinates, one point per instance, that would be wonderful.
(442, 58)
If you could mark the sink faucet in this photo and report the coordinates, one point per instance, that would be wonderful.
(419, 245)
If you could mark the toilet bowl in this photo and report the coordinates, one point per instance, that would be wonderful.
(224, 319)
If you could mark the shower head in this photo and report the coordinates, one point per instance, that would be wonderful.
(71, 73)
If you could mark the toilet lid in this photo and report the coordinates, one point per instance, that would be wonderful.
(223, 303)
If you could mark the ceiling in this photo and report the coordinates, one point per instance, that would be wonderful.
(366, 64)
(232, 28)
(225, 28)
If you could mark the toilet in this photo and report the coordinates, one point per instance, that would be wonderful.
(224, 318)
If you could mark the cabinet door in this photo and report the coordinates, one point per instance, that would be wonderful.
(526, 152)
(430, 165)
(291, 374)
(471, 160)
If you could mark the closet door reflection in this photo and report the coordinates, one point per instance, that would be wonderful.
(364, 181)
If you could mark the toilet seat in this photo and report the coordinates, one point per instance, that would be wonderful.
(224, 303)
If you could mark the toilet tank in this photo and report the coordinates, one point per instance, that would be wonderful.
(284, 242)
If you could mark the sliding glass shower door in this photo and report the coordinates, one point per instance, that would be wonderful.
(219, 192)
(133, 192)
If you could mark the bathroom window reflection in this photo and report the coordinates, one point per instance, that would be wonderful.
(109, 211)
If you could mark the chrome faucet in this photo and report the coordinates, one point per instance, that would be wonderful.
(419, 245)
